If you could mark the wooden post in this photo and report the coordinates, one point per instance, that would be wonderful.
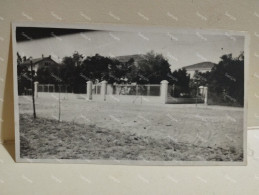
(32, 94)
(36, 89)
(59, 104)
(206, 95)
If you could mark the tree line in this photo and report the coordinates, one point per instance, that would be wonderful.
(75, 70)
(225, 81)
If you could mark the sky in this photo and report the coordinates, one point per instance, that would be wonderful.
(179, 48)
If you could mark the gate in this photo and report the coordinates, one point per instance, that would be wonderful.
(195, 96)
(137, 90)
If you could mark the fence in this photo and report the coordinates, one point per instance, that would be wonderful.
(128, 89)
(27, 92)
(224, 99)
(50, 88)
(143, 90)
(177, 96)
(127, 92)
(96, 89)
(154, 92)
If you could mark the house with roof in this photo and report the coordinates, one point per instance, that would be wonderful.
(37, 63)
(200, 67)
(136, 57)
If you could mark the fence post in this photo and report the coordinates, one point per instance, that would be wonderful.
(36, 89)
(164, 91)
(109, 89)
(117, 90)
(89, 85)
(103, 89)
(206, 95)
(148, 90)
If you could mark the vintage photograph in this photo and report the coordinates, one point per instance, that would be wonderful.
(129, 95)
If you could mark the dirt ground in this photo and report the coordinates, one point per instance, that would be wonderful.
(114, 130)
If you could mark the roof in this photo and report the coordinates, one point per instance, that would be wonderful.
(200, 66)
(126, 58)
(36, 60)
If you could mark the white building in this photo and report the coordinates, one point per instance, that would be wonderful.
(200, 67)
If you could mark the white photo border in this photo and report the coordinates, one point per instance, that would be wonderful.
(129, 28)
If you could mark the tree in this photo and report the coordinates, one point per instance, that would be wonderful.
(47, 75)
(23, 75)
(96, 68)
(19, 59)
(151, 68)
(180, 79)
(225, 81)
(69, 72)
(199, 79)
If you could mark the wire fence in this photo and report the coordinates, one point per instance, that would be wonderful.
(121, 89)
(51, 88)
(96, 89)
(143, 90)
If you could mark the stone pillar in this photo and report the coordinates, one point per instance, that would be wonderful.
(89, 85)
(109, 89)
(118, 89)
(148, 90)
(36, 89)
(103, 89)
(137, 89)
(201, 90)
(164, 91)
(205, 95)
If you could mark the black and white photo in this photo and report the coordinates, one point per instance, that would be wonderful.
(129, 95)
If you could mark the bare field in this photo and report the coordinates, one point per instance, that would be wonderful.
(126, 131)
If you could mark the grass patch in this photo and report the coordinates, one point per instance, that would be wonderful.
(44, 138)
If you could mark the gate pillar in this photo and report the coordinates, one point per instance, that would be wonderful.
(164, 91)
(89, 85)
(36, 89)
(103, 90)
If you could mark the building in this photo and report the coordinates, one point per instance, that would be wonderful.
(200, 67)
(136, 57)
(39, 63)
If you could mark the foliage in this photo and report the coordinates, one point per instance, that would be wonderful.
(47, 75)
(69, 72)
(23, 76)
(76, 70)
(180, 80)
(225, 81)
(152, 68)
